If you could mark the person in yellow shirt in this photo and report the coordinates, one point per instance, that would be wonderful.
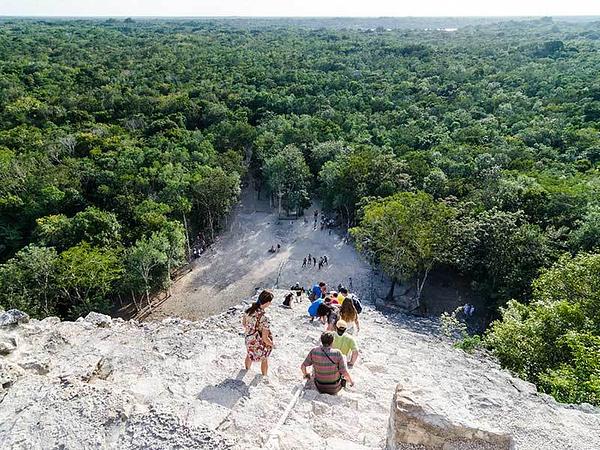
(342, 294)
(345, 343)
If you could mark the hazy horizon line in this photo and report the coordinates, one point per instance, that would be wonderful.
(292, 17)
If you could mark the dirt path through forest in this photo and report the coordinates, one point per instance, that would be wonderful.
(239, 262)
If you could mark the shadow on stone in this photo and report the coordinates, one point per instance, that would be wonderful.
(229, 391)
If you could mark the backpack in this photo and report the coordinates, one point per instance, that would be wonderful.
(357, 304)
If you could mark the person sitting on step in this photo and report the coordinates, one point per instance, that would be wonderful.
(287, 301)
(330, 373)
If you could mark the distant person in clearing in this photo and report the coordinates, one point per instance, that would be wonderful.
(345, 343)
(330, 372)
(304, 262)
(349, 314)
(259, 340)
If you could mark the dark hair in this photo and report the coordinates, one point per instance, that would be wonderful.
(344, 291)
(327, 338)
(265, 296)
(322, 283)
(348, 311)
(324, 310)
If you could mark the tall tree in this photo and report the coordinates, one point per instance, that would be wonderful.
(144, 257)
(359, 173)
(406, 234)
(86, 276)
(214, 193)
(288, 178)
(28, 281)
(554, 341)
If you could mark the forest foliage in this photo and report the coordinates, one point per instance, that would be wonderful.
(475, 150)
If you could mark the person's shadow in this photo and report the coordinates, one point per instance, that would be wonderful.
(229, 391)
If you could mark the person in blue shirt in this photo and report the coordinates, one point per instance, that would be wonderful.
(318, 291)
(316, 297)
(313, 308)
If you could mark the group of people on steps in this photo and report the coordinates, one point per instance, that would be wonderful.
(338, 312)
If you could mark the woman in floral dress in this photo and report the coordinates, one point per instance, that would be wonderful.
(259, 340)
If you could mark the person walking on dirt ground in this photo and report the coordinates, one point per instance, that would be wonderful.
(278, 247)
(314, 261)
(350, 282)
(330, 373)
(345, 343)
(325, 260)
(304, 262)
(320, 263)
(259, 339)
(309, 259)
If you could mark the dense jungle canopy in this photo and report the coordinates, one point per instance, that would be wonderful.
(480, 147)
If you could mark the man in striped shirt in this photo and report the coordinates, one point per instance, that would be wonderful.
(329, 366)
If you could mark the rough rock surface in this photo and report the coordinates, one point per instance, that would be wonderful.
(415, 424)
(179, 384)
(7, 345)
(12, 317)
(100, 320)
